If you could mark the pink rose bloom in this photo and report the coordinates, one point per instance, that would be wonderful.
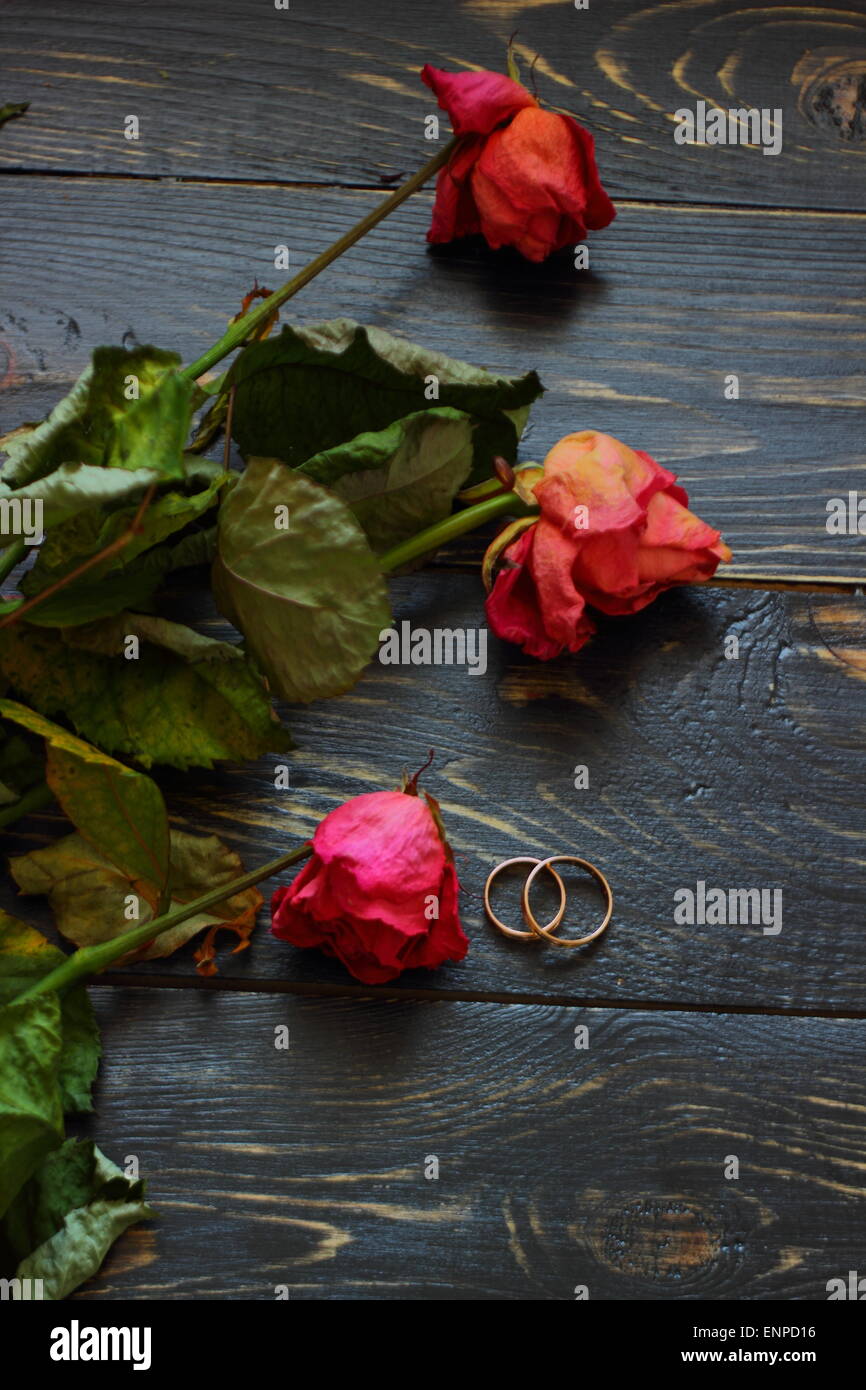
(614, 532)
(380, 890)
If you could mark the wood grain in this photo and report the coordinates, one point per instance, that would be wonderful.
(740, 773)
(601, 1166)
(639, 346)
(559, 1167)
(331, 95)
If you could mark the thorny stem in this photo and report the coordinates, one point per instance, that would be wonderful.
(240, 329)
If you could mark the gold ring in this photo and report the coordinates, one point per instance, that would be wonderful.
(512, 931)
(546, 932)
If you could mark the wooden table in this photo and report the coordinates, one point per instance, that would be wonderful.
(559, 1166)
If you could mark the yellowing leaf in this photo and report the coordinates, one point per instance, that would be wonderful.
(31, 1112)
(90, 896)
(187, 701)
(25, 956)
(120, 811)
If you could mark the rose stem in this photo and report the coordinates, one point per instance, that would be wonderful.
(505, 503)
(238, 331)
(11, 556)
(452, 526)
(90, 959)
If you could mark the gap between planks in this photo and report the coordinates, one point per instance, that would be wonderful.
(218, 180)
(794, 583)
(227, 984)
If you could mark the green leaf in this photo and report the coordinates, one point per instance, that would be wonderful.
(21, 766)
(69, 1216)
(97, 424)
(133, 586)
(88, 892)
(154, 428)
(87, 600)
(12, 110)
(402, 479)
(63, 1181)
(314, 387)
(59, 439)
(117, 809)
(78, 487)
(25, 956)
(31, 1112)
(310, 601)
(198, 864)
(187, 700)
(90, 532)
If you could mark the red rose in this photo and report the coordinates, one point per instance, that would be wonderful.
(380, 890)
(614, 532)
(522, 177)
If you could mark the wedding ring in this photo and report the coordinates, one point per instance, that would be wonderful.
(546, 932)
(512, 931)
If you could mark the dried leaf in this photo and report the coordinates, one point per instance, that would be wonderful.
(89, 895)
(310, 600)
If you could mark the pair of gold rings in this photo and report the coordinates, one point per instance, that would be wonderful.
(547, 933)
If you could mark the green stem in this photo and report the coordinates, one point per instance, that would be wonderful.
(506, 504)
(213, 388)
(491, 487)
(32, 800)
(90, 959)
(240, 330)
(12, 556)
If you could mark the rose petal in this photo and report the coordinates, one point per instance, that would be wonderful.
(512, 606)
(476, 102)
(533, 181)
(367, 895)
(454, 212)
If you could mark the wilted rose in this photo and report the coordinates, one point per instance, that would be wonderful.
(380, 890)
(613, 533)
(522, 176)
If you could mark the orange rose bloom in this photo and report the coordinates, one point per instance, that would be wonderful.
(523, 176)
(614, 532)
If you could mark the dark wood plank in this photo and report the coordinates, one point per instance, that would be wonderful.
(558, 1167)
(738, 773)
(332, 95)
(639, 346)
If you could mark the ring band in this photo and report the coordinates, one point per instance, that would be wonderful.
(512, 931)
(546, 932)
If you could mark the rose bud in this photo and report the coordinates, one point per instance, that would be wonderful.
(522, 177)
(380, 890)
(614, 532)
